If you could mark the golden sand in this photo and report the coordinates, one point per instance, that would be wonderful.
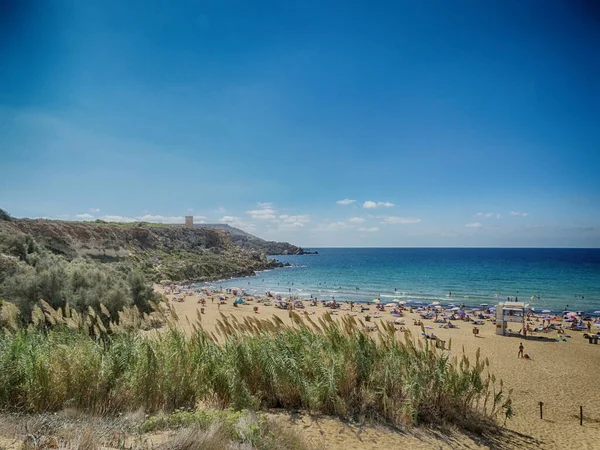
(563, 375)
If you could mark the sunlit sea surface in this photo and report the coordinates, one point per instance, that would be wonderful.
(555, 278)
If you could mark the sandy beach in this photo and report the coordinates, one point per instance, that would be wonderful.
(562, 375)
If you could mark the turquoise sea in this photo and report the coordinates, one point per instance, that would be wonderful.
(554, 277)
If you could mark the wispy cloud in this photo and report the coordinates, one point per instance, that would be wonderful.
(111, 218)
(94, 210)
(297, 221)
(519, 214)
(84, 216)
(368, 230)
(237, 222)
(346, 201)
(221, 210)
(356, 220)
(265, 211)
(332, 226)
(401, 220)
(372, 205)
(152, 218)
(488, 215)
(473, 225)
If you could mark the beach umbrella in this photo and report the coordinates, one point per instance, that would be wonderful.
(435, 303)
(456, 308)
(402, 303)
(546, 311)
(596, 312)
(376, 300)
(408, 301)
(483, 304)
(389, 305)
(532, 297)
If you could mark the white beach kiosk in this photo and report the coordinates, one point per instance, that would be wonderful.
(510, 312)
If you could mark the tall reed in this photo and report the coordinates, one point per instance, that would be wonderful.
(331, 367)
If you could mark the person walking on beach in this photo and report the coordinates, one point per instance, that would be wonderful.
(521, 350)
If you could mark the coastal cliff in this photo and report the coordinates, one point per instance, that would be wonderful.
(254, 243)
(160, 251)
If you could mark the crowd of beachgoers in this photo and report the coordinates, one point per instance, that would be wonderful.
(550, 351)
(430, 316)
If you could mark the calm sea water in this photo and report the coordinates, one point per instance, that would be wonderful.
(554, 277)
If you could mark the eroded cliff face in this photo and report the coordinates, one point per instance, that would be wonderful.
(96, 239)
(172, 252)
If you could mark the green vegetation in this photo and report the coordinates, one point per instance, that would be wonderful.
(4, 215)
(183, 265)
(331, 368)
(30, 273)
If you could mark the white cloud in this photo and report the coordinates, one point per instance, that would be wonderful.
(220, 210)
(332, 226)
(368, 230)
(94, 210)
(371, 205)
(487, 215)
(161, 219)
(262, 214)
(297, 221)
(265, 211)
(356, 220)
(346, 201)
(520, 214)
(237, 222)
(84, 216)
(474, 225)
(401, 220)
(109, 218)
(152, 218)
(301, 218)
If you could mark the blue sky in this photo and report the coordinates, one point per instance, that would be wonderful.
(462, 123)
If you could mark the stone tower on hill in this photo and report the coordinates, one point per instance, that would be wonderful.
(189, 221)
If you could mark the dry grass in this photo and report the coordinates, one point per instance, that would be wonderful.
(72, 430)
